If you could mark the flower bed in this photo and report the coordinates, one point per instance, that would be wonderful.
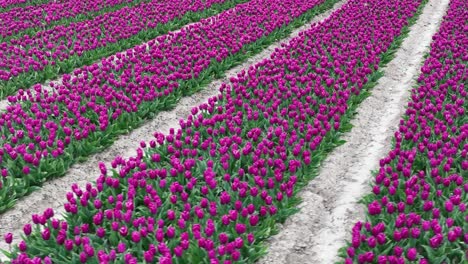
(97, 103)
(417, 211)
(31, 19)
(211, 191)
(6, 5)
(32, 59)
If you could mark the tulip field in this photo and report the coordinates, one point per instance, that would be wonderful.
(77, 75)
(417, 209)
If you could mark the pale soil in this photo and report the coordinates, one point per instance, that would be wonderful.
(52, 194)
(330, 201)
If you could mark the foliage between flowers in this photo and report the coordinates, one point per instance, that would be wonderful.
(211, 191)
(417, 211)
(29, 60)
(32, 19)
(124, 103)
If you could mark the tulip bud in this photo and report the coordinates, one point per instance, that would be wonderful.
(411, 254)
(8, 238)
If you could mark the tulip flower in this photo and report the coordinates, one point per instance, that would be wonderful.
(8, 238)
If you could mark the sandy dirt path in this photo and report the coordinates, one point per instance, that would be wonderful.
(330, 201)
(52, 194)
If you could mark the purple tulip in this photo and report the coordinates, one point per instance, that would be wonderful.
(240, 228)
(46, 234)
(136, 236)
(121, 247)
(411, 254)
(22, 246)
(8, 238)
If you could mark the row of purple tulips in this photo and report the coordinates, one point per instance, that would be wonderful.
(44, 132)
(34, 53)
(44, 55)
(17, 20)
(417, 211)
(8, 4)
